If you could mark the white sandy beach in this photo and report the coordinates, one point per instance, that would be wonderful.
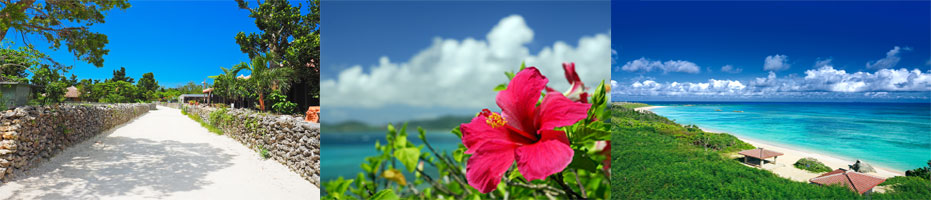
(783, 166)
(641, 109)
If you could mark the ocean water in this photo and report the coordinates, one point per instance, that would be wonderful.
(342, 153)
(892, 135)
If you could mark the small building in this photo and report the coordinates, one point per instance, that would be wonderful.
(856, 181)
(184, 98)
(72, 94)
(761, 154)
(15, 94)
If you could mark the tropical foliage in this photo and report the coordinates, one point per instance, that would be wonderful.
(284, 55)
(398, 171)
(655, 159)
(61, 22)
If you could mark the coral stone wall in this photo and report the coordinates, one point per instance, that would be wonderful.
(287, 139)
(32, 134)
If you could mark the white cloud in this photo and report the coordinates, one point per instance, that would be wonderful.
(892, 58)
(461, 73)
(821, 63)
(647, 65)
(776, 63)
(824, 81)
(731, 69)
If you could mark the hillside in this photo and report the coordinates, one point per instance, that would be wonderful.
(655, 158)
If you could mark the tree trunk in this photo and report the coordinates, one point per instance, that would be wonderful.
(262, 101)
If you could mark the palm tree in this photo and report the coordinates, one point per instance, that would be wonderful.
(225, 83)
(267, 79)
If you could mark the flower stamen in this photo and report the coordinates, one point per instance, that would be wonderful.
(495, 120)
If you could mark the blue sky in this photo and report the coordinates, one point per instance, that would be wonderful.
(694, 41)
(393, 61)
(177, 41)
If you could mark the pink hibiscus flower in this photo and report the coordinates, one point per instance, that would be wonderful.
(522, 132)
(577, 87)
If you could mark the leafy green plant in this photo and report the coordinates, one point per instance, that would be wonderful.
(922, 172)
(264, 152)
(281, 103)
(812, 165)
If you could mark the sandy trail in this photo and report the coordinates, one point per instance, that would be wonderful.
(160, 155)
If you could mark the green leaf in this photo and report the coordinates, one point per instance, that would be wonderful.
(457, 132)
(599, 102)
(583, 162)
(514, 174)
(501, 87)
(386, 195)
(459, 154)
(510, 75)
(408, 156)
(337, 188)
(523, 65)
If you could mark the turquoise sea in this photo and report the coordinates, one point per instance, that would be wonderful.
(342, 153)
(892, 135)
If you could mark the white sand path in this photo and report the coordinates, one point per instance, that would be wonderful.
(160, 155)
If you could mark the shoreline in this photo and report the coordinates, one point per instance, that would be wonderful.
(648, 108)
(784, 164)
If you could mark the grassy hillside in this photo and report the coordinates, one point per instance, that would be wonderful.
(655, 158)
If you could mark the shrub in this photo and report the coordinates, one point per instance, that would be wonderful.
(281, 103)
(812, 165)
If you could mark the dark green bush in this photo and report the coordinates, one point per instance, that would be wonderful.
(812, 165)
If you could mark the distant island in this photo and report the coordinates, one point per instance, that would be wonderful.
(443, 123)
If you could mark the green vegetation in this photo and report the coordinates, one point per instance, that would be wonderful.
(284, 57)
(906, 187)
(264, 152)
(196, 118)
(655, 158)
(812, 165)
(60, 22)
(631, 105)
(922, 172)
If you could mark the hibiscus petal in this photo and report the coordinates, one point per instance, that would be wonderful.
(571, 75)
(550, 155)
(479, 131)
(517, 102)
(485, 168)
(557, 111)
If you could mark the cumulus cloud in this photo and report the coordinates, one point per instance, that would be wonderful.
(823, 81)
(461, 73)
(731, 69)
(776, 63)
(892, 58)
(647, 65)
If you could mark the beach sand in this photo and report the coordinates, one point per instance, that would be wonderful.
(641, 109)
(784, 164)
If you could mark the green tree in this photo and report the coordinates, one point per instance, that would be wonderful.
(14, 62)
(120, 75)
(287, 39)
(147, 86)
(60, 22)
(226, 84)
(266, 80)
(51, 84)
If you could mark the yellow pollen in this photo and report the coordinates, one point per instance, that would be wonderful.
(494, 120)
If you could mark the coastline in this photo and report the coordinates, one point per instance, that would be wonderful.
(784, 164)
(648, 108)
